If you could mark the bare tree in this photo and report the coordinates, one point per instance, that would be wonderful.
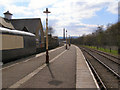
(50, 30)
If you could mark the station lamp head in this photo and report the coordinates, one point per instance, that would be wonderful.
(46, 11)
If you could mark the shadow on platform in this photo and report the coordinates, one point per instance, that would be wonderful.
(53, 81)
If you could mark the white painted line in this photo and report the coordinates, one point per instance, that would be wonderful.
(27, 60)
(10, 65)
(57, 56)
(26, 78)
(38, 55)
(89, 69)
(29, 76)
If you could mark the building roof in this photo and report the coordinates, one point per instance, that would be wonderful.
(15, 32)
(31, 24)
(6, 23)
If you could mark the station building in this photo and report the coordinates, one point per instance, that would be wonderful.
(32, 25)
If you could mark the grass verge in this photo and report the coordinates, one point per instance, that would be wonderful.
(113, 52)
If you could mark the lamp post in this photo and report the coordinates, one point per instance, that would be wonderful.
(66, 39)
(47, 54)
(69, 40)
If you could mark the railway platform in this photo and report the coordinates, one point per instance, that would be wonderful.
(84, 75)
(67, 69)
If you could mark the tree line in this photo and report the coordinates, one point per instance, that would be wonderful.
(101, 38)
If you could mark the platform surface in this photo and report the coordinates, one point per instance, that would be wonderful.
(67, 69)
(84, 75)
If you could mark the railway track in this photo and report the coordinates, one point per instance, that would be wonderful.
(107, 76)
(108, 56)
(113, 63)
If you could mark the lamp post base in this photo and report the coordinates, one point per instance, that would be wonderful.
(66, 46)
(69, 45)
(47, 57)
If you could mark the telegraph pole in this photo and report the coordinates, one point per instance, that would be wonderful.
(47, 54)
(66, 39)
(64, 34)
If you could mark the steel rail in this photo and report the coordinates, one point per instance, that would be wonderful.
(116, 74)
(99, 80)
(107, 54)
(100, 53)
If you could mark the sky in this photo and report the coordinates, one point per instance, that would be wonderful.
(78, 17)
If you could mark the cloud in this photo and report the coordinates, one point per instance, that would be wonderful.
(64, 13)
(87, 25)
(37, 4)
(113, 8)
